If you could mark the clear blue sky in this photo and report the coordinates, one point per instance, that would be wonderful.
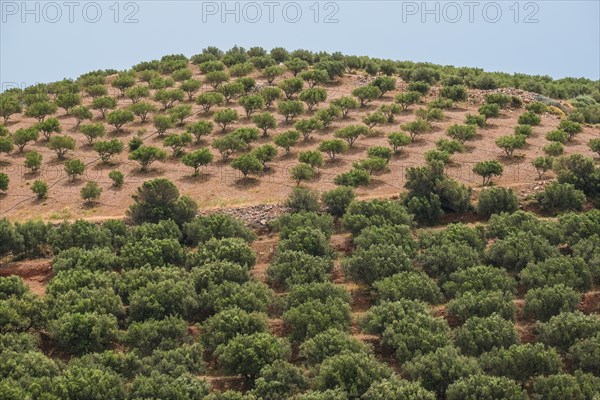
(565, 40)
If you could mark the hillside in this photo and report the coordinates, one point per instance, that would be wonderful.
(274, 183)
(451, 252)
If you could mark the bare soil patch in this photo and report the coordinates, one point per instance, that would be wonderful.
(35, 273)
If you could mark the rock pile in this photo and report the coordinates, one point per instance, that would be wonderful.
(257, 217)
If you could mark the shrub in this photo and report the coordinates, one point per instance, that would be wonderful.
(247, 163)
(439, 369)
(377, 262)
(279, 380)
(338, 200)
(396, 388)
(565, 386)
(426, 209)
(523, 130)
(90, 192)
(166, 229)
(158, 300)
(478, 120)
(562, 330)
(303, 199)
(361, 214)
(117, 178)
(416, 335)
(397, 235)
(80, 382)
(571, 271)
(307, 239)
(333, 147)
(286, 140)
(353, 373)
(529, 118)
(366, 94)
(353, 178)
(497, 200)
(217, 272)
(40, 189)
(78, 234)
(323, 292)
(159, 199)
(560, 197)
(489, 110)
(219, 226)
(330, 343)
(594, 145)
(477, 279)
(510, 143)
(315, 316)
(345, 104)
(482, 304)
(585, 355)
(407, 99)
(156, 252)
(579, 171)
(503, 224)
(289, 223)
(557, 136)
(521, 361)
(351, 133)
(416, 128)
(229, 323)
(290, 109)
(165, 334)
(483, 387)
(571, 128)
(543, 303)
(462, 133)
(554, 149)
(302, 172)
(408, 285)
(95, 259)
(517, 249)
(235, 250)
(379, 317)
(248, 354)
(82, 333)
(442, 260)
(500, 99)
(481, 334)
(295, 267)
(61, 145)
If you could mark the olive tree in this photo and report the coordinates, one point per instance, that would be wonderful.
(248, 354)
(146, 155)
(366, 94)
(61, 145)
(485, 387)
(521, 361)
(287, 139)
(487, 170)
(119, 118)
(353, 373)
(197, 159)
(107, 149)
(48, 127)
(345, 104)
(265, 121)
(208, 100)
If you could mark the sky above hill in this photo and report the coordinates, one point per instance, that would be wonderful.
(47, 41)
